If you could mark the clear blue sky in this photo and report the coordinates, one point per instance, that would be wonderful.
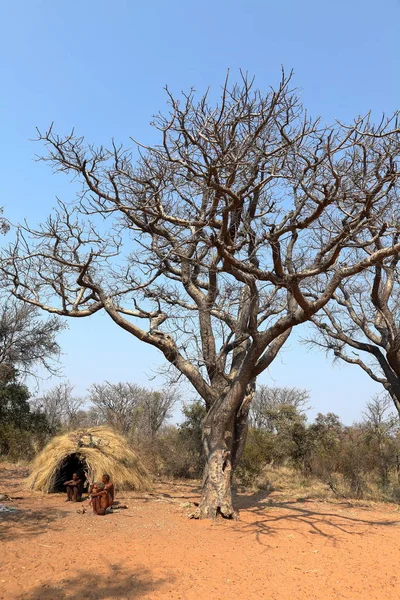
(100, 66)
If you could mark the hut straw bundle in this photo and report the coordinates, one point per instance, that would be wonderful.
(100, 449)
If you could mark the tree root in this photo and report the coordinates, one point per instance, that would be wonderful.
(215, 514)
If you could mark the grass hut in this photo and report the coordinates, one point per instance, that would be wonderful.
(89, 452)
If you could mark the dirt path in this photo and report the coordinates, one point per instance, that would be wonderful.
(280, 550)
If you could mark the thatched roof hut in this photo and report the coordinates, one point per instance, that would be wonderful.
(90, 452)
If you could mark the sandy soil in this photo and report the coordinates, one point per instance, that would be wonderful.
(279, 549)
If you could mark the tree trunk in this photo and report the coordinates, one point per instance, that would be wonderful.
(392, 375)
(224, 436)
(395, 395)
(216, 492)
(242, 425)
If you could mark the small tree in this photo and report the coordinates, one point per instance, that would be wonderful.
(325, 438)
(205, 246)
(191, 430)
(118, 404)
(130, 408)
(155, 409)
(382, 426)
(276, 415)
(181, 447)
(271, 405)
(89, 417)
(22, 430)
(26, 340)
(60, 406)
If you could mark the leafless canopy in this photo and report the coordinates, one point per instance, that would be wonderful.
(270, 402)
(155, 409)
(26, 340)
(118, 404)
(361, 324)
(379, 417)
(131, 408)
(238, 202)
(60, 406)
(205, 245)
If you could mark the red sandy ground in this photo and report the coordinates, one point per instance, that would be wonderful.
(279, 550)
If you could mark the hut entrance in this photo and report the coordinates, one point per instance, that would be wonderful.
(73, 463)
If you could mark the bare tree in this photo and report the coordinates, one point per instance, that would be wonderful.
(130, 408)
(204, 246)
(60, 406)
(272, 403)
(26, 340)
(382, 425)
(155, 409)
(361, 324)
(90, 417)
(118, 404)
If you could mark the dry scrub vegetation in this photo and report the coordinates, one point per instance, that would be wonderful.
(284, 452)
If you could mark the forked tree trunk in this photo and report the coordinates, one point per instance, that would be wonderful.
(224, 436)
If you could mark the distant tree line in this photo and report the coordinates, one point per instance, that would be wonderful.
(128, 408)
(356, 458)
(348, 459)
(351, 460)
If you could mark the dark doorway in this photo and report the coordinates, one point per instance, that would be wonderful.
(73, 463)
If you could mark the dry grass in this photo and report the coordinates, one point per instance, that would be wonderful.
(289, 483)
(103, 450)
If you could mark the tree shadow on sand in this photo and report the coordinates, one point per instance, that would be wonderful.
(24, 522)
(119, 583)
(328, 521)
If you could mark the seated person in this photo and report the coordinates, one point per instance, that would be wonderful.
(109, 487)
(74, 489)
(98, 498)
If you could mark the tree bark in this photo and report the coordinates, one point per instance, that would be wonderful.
(395, 395)
(224, 437)
(241, 425)
(216, 492)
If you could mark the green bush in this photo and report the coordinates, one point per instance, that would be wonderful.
(258, 452)
(23, 431)
(176, 451)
